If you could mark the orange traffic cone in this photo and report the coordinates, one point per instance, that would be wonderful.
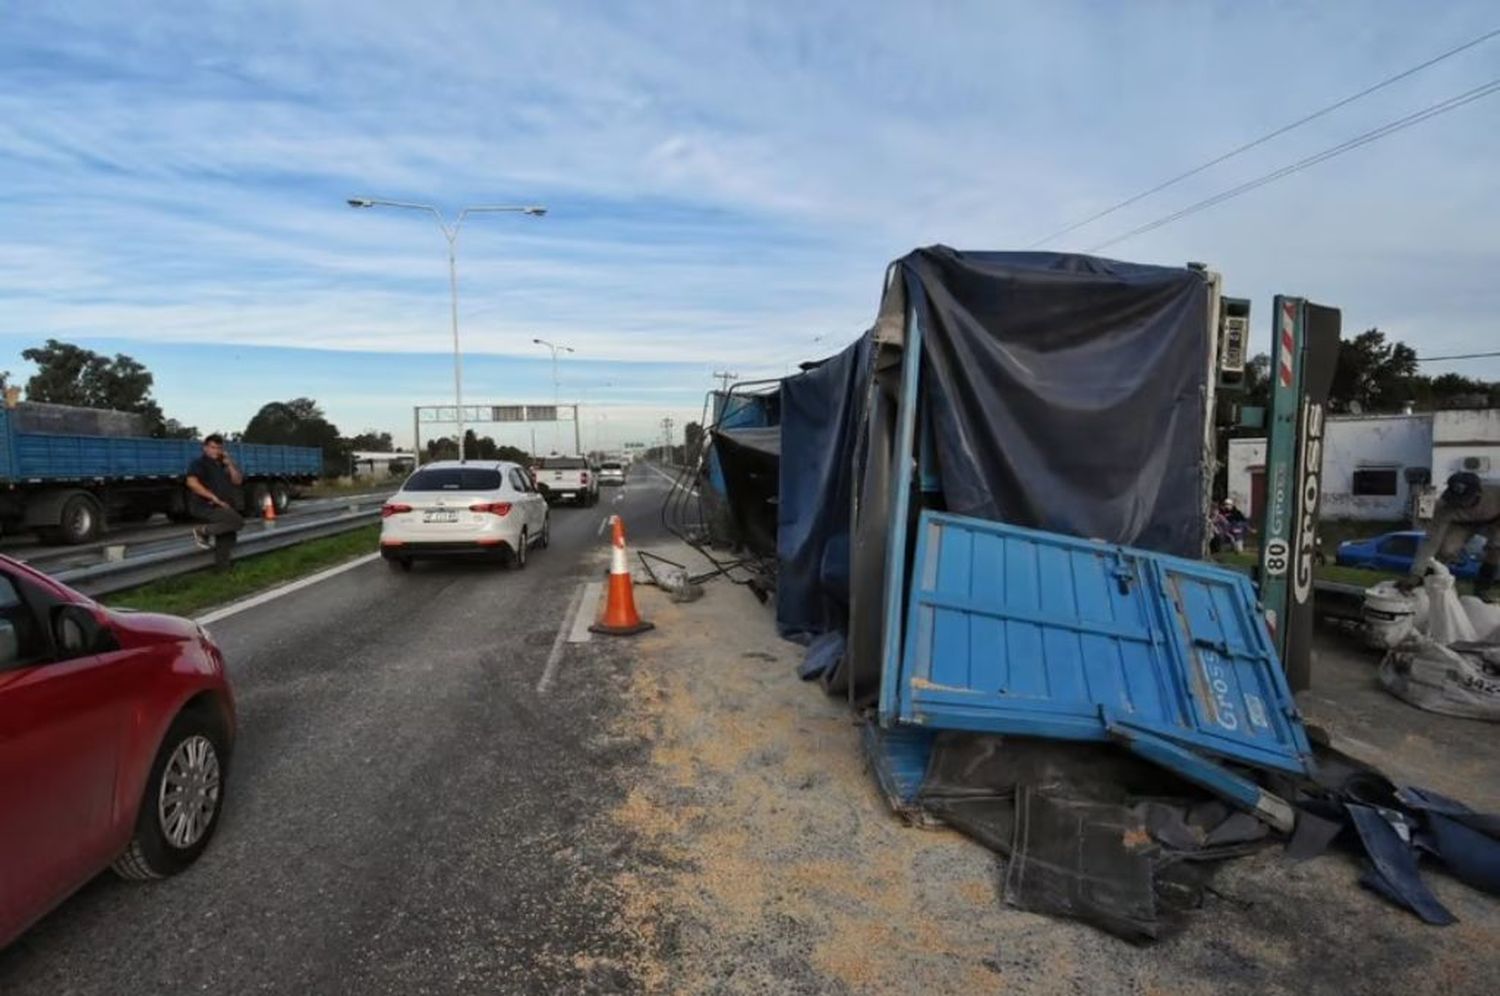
(268, 509)
(619, 617)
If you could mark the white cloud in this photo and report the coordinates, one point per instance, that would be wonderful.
(727, 182)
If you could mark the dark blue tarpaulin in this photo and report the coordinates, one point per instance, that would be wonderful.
(1066, 392)
(1057, 391)
(820, 413)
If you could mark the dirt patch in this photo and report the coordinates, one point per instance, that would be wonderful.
(766, 862)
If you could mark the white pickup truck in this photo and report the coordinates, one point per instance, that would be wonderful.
(566, 478)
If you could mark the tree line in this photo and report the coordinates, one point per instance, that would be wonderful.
(1376, 375)
(68, 374)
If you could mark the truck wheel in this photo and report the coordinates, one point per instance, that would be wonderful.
(180, 808)
(255, 501)
(281, 496)
(81, 520)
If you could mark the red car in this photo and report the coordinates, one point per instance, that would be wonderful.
(115, 732)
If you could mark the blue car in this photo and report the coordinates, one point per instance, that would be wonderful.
(1394, 552)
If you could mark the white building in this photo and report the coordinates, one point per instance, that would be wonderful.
(369, 464)
(1366, 459)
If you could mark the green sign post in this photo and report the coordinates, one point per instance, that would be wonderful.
(1281, 464)
(1304, 355)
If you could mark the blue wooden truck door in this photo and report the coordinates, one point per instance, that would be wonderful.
(1232, 686)
(1011, 630)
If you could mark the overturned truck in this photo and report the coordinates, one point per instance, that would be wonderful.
(991, 516)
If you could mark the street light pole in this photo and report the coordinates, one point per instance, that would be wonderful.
(450, 233)
(557, 396)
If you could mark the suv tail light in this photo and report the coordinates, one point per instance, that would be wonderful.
(583, 477)
(392, 508)
(494, 508)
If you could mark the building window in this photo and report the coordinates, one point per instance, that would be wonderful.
(1375, 482)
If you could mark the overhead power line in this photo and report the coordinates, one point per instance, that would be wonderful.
(1375, 134)
(1457, 356)
(1267, 137)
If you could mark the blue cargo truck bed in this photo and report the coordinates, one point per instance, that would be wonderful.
(66, 486)
(33, 457)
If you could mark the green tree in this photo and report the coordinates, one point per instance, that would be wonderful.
(372, 441)
(478, 447)
(1373, 375)
(173, 429)
(514, 454)
(300, 422)
(71, 375)
(442, 448)
(1257, 384)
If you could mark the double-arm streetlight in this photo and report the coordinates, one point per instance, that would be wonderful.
(450, 232)
(556, 396)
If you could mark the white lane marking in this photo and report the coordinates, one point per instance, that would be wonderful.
(619, 497)
(672, 481)
(270, 596)
(587, 610)
(603, 524)
(549, 672)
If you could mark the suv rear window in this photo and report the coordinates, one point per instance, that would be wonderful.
(609, 466)
(453, 479)
(561, 463)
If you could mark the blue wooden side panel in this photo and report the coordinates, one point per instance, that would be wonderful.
(45, 457)
(899, 757)
(1013, 630)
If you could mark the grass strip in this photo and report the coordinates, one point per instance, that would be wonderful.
(1330, 572)
(187, 594)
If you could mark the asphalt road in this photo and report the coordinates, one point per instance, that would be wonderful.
(406, 812)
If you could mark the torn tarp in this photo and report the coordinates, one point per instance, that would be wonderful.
(1088, 832)
(1065, 392)
(821, 411)
(1054, 391)
(749, 461)
(1394, 831)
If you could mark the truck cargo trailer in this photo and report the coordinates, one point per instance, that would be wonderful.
(65, 487)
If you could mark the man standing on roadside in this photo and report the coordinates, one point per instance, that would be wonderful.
(212, 480)
(1467, 507)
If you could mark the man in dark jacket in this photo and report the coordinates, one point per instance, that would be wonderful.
(1467, 507)
(213, 482)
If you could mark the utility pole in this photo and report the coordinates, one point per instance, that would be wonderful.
(725, 379)
(666, 428)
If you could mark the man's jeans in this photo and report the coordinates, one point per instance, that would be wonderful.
(221, 524)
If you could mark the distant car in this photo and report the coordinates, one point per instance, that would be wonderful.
(611, 472)
(1394, 552)
(567, 478)
(480, 508)
(115, 734)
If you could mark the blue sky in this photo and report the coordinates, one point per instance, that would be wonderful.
(726, 181)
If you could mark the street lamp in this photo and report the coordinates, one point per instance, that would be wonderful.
(450, 232)
(585, 390)
(556, 396)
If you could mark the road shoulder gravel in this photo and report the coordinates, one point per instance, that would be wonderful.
(767, 862)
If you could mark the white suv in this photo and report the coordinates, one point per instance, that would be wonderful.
(567, 478)
(470, 508)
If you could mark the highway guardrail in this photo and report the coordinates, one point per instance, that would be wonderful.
(111, 576)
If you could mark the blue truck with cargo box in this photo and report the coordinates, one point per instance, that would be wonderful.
(65, 486)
